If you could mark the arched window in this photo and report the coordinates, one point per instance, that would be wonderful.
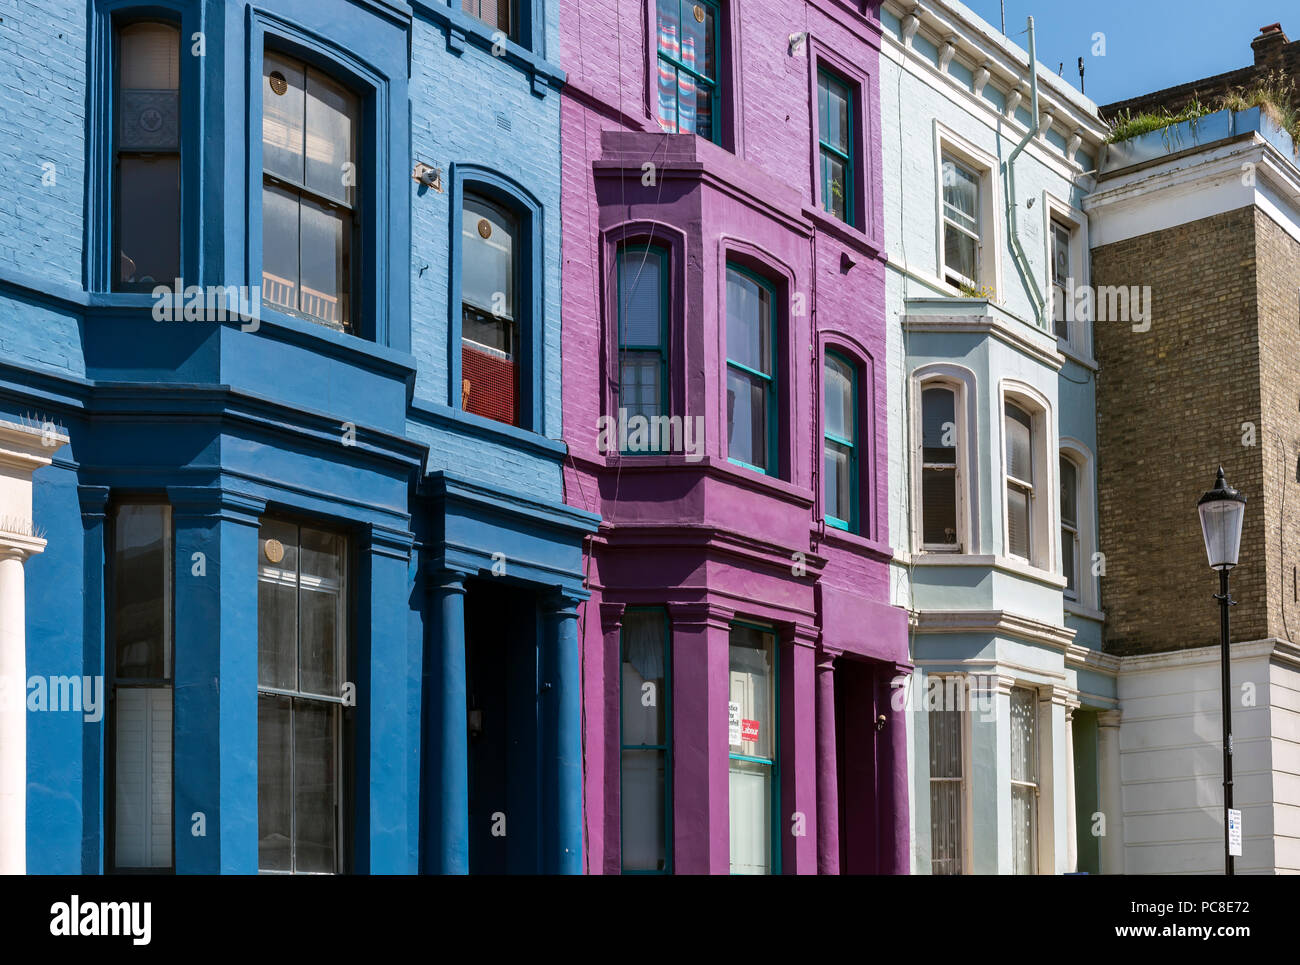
(147, 157)
(752, 389)
(310, 221)
(840, 439)
(490, 320)
(1070, 546)
(940, 484)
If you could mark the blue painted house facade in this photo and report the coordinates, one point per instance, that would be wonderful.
(279, 371)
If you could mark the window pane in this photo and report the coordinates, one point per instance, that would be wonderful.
(1069, 560)
(686, 119)
(314, 786)
(833, 113)
(961, 193)
(489, 376)
(1017, 521)
(1069, 492)
(277, 605)
(749, 322)
(1024, 829)
(326, 243)
(697, 39)
(487, 258)
(939, 507)
(279, 248)
(274, 772)
(666, 99)
(838, 386)
(1060, 253)
(143, 777)
(753, 682)
(148, 218)
(283, 116)
(1019, 447)
(945, 827)
(670, 28)
(945, 739)
(834, 190)
(150, 57)
(639, 297)
(642, 811)
(750, 806)
(960, 253)
(747, 418)
(839, 481)
(331, 138)
(1024, 753)
(644, 637)
(939, 426)
(1060, 319)
(142, 563)
(639, 389)
(494, 13)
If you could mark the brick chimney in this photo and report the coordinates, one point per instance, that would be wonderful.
(1268, 46)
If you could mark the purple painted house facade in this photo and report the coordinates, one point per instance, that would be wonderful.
(724, 406)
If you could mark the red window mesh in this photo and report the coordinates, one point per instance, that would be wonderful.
(488, 385)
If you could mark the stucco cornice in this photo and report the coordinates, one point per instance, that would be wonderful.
(979, 317)
(1001, 622)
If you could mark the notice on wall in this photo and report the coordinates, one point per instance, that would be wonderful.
(733, 723)
(1234, 832)
(749, 730)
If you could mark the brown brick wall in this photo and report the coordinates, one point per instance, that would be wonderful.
(1278, 256)
(1171, 402)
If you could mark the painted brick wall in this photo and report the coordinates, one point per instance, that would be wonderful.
(473, 108)
(1171, 404)
(42, 120)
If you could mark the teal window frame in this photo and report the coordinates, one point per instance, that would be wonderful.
(662, 348)
(775, 762)
(666, 747)
(848, 525)
(684, 8)
(824, 147)
(773, 394)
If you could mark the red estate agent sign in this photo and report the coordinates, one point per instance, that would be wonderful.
(749, 730)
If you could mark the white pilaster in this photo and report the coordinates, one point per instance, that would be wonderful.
(23, 450)
(1112, 845)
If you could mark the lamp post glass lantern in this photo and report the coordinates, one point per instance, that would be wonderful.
(1222, 510)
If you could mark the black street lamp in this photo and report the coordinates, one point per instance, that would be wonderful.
(1222, 510)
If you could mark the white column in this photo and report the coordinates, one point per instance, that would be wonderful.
(1112, 845)
(23, 449)
(1071, 817)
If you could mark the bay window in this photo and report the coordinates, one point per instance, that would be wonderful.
(302, 633)
(752, 722)
(646, 743)
(147, 157)
(752, 417)
(141, 587)
(309, 194)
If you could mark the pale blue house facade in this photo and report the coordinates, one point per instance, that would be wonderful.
(992, 436)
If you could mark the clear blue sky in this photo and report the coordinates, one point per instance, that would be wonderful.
(1150, 44)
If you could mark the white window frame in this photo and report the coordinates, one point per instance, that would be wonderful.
(1079, 329)
(962, 383)
(985, 167)
(967, 822)
(1044, 495)
(1086, 595)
